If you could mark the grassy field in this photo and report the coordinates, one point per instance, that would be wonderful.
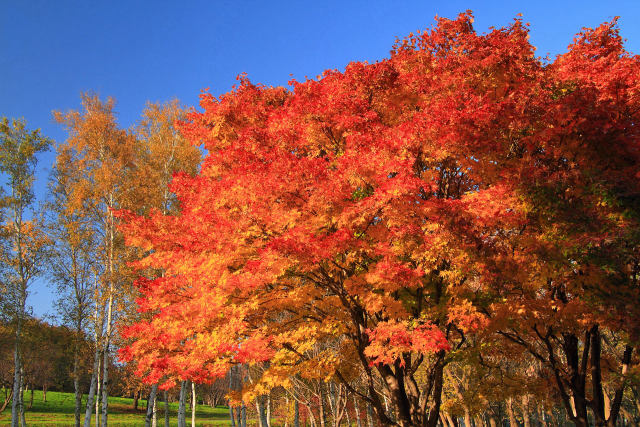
(58, 411)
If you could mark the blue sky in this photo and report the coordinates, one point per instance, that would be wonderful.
(139, 51)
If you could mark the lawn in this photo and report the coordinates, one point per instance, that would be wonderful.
(58, 411)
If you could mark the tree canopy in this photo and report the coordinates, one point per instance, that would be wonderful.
(380, 221)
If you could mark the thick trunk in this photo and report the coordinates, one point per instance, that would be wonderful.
(436, 396)
(394, 380)
(151, 404)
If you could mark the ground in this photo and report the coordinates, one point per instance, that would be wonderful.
(58, 411)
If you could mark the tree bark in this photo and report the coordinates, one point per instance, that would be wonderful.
(151, 404)
(92, 388)
(76, 385)
(233, 419)
(182, 422)
(7, 399)
(15, 409)
(467, 417)
(357, 411)
(193, 404)
(525, 410)
(136, 397)
(512, 416)
(166, 408)
(21, 397)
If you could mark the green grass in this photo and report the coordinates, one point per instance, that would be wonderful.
(59, 408)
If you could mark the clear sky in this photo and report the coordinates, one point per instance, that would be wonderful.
(135, 51)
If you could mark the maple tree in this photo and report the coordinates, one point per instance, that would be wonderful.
(366, 223)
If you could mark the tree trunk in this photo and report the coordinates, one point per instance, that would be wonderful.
(166, 409)
(262, 411)
(105, 360)
(182, 422)
(512, 416)
(525, 411)
(467, 417)
(154, 417)
(269, 410)
(99, 391)
(357, 411)
(369, 413)
(321, 414)
(136, 397)
(312, 417)
(233, 419)
(452, 421)
(7, 398)
(21, 397)
(76, 381)
(92, 388)
(543, 420)
(151, 404)
(296, 413)
(15, 409)
(193, 404)
(31, 400)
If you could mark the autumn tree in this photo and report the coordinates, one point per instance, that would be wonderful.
(23, 241)
(577, 258)
(72, 263)
(97, 160)
(161, 151)
(396, 208)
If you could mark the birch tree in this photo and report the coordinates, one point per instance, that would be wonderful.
(103, 155)
(23, 242)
